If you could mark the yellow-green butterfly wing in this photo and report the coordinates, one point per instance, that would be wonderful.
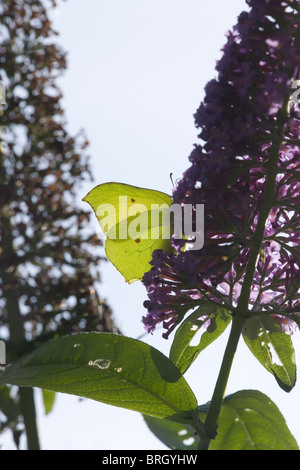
(135, 221)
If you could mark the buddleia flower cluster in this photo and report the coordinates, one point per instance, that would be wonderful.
(245, 171)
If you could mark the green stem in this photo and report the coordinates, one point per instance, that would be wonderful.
(29, 415)
(266, 206)
(240, 314)
(220, 388)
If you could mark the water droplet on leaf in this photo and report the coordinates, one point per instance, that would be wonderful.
(100, 363)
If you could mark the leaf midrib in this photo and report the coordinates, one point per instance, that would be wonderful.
(112, 374)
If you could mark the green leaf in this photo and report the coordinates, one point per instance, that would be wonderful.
(249, 420)
(174, 435)
(10, 408)
(273, 348)
(108, 368)
(179, 436)
(49, 400)
(130, 218)
(182, 352)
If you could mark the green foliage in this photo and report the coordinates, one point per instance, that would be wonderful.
(10, 411)
(125, 372)
(49, 400)
(174, 435)
(249, 420)
(272, 348)
(109, 368)
(182, 353)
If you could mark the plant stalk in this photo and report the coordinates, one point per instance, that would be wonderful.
(240, 314)
(17, 341)
(221, 384)
(29, 415)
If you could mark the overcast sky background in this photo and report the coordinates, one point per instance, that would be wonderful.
(136, 75)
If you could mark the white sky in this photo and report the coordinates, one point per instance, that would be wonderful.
(136, 75)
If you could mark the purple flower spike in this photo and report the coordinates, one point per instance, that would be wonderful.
(251, 131)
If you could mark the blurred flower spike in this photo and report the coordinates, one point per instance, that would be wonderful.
(246, 173)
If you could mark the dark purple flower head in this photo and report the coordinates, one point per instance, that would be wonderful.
(250, 133)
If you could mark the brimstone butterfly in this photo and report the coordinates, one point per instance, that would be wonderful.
(135, 221)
